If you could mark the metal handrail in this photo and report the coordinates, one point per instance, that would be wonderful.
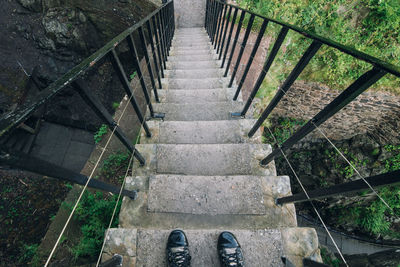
(163, 23)
(216, 11)
(13, 119)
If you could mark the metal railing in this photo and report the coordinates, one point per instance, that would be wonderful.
(220, 21)
(155, 30)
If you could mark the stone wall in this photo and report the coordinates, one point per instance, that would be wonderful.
(376, 113)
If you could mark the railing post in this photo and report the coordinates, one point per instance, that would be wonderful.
(242, 47)
(213, 14)
(147, 59)
(26, 162)
(221, 45)
(264, 71)
(158, 46)
(229, 35)
(153, 52)
(206, 15)
(239, 27)
(221, 26)
(390, 178)
(162, 37)
(136, 64)
(355, 89)
(128, 90)
(217, 23)
(305, 59)
(252, 55)
(103, 114)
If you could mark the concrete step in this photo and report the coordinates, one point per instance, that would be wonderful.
(198, 111)
(212, 195)
(206, 159)
(194, 74)
(218, 202)
(202, 41)
(187, 65)
(190, 47)
(191, 58)
(201, 132)
(190, 83)
(188, 52)
(194, 96)
(146, 247)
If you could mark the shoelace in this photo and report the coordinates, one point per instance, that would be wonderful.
(231, 259)
(179, 258)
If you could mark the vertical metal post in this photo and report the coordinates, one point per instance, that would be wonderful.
(278, 42)
(239, 27)
(242, 47)
(153, 51)
(158, 45)
(305, 59)
(207, 14)
(221, 45)
(229, 36)
(162, 32)
(221, 26)
(355, 89)
(136, 64)
(125, 83)
(217, 23)
(146, 56)
(252, 55)
(162, 40)
(213, 3)
(103, 114)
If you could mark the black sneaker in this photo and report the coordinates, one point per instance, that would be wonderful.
(178, 250)
(230, 253)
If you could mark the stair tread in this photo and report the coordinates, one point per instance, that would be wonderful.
(198, 111)
(215, 195)
(180, 96)
(201, 132)
(205, 159)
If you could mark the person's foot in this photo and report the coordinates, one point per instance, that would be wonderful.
(178, 250)
(230, 253)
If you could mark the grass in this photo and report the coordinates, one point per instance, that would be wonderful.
(98, 136)
(370, 26)
(94, 214)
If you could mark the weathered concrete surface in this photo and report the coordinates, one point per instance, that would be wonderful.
(122, 242)
(201, 132)
(189, 13)
(198, 111)
(260, 247)
(195, 83)
(206, 194)
(193, 96)
(191, 64)
(194, 74)
(135, 214)
(212, 159)
(301, 243)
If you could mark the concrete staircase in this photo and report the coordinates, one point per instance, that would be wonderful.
(203, 175)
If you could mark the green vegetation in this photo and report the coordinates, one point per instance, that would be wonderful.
(328, 259)
(115, 105)
(27, 253)
(94, 213)
(372, 217)
(133, 75)
(282, 130)
(100, 133)
(114, 164)
(370, 26)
